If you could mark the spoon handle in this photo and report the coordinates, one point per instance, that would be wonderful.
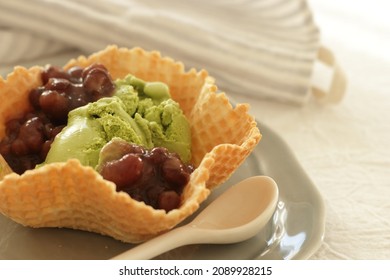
(158, 245)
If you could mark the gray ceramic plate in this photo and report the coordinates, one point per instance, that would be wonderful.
(295, 231)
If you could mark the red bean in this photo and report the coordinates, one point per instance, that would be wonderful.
(158, 155)
(53, 72)
(124, 171)
(12, 128)
(75, 73)
(34, 96)
(91, 67)
(98, 83)
(31, 133)
(174, 172)
(5, 148)
(58, 84)
(77, 96)
(19, 148)
(55, 105)
(168, 200)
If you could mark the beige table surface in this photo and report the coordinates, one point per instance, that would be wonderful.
(345, 147)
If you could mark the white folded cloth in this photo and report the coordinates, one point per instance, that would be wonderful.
(263, 48)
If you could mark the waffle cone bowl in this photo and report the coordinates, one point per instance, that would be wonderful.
(74, 196)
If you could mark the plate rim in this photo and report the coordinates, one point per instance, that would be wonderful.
(316, 239)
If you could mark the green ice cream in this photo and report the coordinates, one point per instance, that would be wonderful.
(139, 112)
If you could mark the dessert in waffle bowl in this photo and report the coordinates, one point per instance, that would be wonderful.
(70, 193)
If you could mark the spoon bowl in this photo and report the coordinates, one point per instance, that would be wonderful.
(236, 215)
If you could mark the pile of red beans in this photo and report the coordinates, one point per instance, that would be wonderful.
(28, 139)
(156, 177)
